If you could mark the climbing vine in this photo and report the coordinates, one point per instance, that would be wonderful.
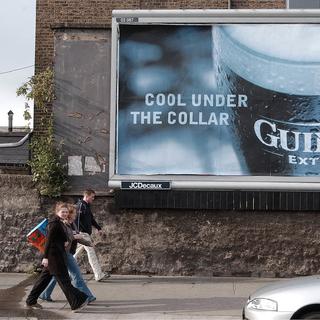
(47, 167)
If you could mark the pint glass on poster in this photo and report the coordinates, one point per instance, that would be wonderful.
(278, 68)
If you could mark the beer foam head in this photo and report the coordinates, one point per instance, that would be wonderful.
(288, 42)
(282, 58)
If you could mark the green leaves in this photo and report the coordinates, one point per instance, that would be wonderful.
(39, 88)
(48, 170)
(47, 166)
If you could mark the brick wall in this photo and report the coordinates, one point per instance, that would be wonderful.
(184, 4)
(95, 13)
(258, 4)
(98, 12)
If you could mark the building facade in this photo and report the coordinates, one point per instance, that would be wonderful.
(167, 232)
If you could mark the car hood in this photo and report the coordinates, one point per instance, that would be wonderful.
(292, 294)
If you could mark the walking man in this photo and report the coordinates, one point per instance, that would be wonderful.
(85, 221)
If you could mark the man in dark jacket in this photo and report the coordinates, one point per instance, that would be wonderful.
(84, 221)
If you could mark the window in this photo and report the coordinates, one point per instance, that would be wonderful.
(303, 4)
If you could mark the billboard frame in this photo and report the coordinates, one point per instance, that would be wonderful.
(202, 17)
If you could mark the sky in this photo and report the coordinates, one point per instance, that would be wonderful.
(17, 38)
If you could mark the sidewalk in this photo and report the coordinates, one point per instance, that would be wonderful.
(137, 298)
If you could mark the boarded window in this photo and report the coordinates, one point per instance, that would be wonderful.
(81, 108)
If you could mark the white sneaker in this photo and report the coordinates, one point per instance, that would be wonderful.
(104, 276)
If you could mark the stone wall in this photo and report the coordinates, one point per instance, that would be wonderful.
(211, 243)
(168, 242)
(20, 211)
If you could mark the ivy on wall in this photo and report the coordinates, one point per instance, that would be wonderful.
(47, 167)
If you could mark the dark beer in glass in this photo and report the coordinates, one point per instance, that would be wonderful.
(278, 68)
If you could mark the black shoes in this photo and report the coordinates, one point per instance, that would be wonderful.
(34, 306)
(82, 305)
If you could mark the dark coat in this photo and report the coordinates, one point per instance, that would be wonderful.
(85, 219)
(54, 249)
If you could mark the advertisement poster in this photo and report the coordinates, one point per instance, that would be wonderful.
(240, 99)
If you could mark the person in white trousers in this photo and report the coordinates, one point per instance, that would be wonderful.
(85, 221)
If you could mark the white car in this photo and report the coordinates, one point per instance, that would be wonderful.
(297, 298)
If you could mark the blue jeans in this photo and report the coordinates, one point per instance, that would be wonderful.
(76, 279)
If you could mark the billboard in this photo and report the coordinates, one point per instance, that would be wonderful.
(218, 100)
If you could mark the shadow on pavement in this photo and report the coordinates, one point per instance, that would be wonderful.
(12, 304)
